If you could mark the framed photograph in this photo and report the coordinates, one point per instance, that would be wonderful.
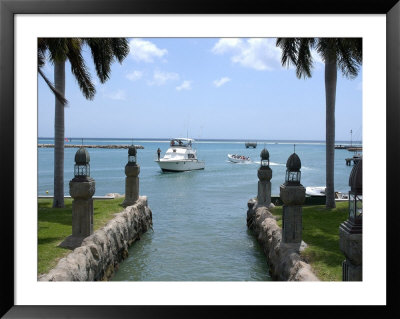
(227, 34)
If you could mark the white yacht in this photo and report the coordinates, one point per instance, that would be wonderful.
(180, 157)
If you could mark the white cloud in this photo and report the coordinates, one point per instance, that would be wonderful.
(135, 75)
(221, 81)
(119, 95)
(227, 44)
(160, 78)
(145, 51)
(186, 85)
(255, 53)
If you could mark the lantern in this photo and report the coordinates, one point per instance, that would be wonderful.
(293, 173)
(264, 158)
(355, 198)
(82, 167)
(132, 155)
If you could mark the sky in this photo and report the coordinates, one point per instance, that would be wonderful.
(204, 88)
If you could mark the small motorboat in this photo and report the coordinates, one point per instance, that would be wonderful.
(315, 191)
(180, 157)
(320, 191)
(238, 158)
(341, 197)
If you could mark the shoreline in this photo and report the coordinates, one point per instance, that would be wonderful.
(198, 139)
(91, 146)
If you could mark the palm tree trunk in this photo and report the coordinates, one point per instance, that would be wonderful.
(330, 94)
(59, 83)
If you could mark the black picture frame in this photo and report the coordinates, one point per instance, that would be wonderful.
(9, 8)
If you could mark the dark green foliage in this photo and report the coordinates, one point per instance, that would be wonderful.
(347, 52)
(104, 52)
(337, 53)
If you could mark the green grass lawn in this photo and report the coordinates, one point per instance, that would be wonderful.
(54, 224)
(321, 233)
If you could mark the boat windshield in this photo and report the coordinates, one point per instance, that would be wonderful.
(182, 142)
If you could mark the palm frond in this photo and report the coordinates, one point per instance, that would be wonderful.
(42, 48)
(289, 50)
(57, 48)
(327, 49)
(79, 69)
(102, 56)
(349, 56)
(120, 48)
(296, 51)
(304, 58)
(104, 52)
(57, 93)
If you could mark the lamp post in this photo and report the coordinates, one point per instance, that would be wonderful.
(82, 166)
(132, 171)
(81, 189)
(351, 137)
(264, 174)
(292, 194)
(350, 231)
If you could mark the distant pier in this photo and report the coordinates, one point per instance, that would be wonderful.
(349, 148)
(91, 146)
(355, 149)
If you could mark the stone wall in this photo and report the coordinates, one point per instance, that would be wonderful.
(284, 260)
(99, 255)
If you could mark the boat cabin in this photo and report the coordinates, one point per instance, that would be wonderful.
(181, 142)
(180, 149)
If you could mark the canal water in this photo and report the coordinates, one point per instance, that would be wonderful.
(199, 217)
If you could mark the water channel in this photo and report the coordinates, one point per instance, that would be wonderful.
(199, 217)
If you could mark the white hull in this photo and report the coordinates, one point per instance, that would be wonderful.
(237, 160)
(315, 191)
(180, 165)
(180, 157)
(320, 191)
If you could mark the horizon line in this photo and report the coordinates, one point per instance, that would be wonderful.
(203, 139)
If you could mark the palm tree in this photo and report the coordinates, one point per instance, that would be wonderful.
(104, 51)
(345, 54)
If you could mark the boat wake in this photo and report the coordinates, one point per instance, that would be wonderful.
(270, 163)
(246, 162)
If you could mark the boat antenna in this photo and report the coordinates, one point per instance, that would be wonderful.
(294, 148)
(82, 141)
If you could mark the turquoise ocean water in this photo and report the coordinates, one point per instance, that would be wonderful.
(199, 217)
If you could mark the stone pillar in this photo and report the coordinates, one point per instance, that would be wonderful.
(81, 190)
(351, 246)
(132, 171)
(264, 174)
(350, 231)
(292, 196)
